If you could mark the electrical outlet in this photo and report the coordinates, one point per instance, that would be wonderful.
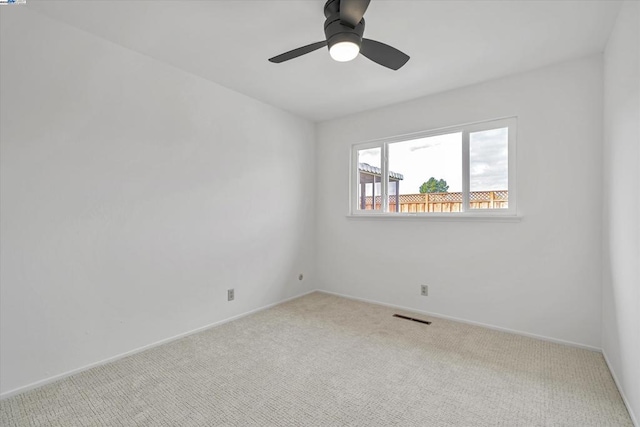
(424, 290)
(230, 294)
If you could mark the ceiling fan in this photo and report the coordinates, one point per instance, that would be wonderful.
(343, 29)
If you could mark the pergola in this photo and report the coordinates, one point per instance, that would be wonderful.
(373, 175)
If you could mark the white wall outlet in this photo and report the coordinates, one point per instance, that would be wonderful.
(424, 290)
(230, 294)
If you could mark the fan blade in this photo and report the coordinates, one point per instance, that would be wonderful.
(298, 52)
(352, 11)
(383, 54)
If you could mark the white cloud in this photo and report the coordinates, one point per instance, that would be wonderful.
(488, 155)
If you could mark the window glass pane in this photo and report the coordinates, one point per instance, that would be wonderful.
(425, 175)
(369, 179)
(489, 169)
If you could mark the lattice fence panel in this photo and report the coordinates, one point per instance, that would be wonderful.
(445, 197)
(443, 202)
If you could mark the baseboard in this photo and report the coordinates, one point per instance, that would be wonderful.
(634, 420)
(470, 322)
(63, 375)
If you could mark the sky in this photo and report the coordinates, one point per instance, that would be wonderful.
(488, 154)
(441, 157)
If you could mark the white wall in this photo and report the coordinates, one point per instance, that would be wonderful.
(133, 196)
(539, 276)
(621, 219)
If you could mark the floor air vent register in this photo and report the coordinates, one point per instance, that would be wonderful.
(412, 319)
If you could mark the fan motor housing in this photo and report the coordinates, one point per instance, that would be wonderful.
(336, 31)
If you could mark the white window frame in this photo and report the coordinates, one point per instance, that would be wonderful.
(465, 130)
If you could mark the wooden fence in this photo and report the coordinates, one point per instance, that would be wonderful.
(444, 202)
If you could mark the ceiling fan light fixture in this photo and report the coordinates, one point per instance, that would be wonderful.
(344, 51)
(343, 30)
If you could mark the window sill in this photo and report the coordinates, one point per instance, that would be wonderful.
(440, 217)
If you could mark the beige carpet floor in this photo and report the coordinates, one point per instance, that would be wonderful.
(321, 360)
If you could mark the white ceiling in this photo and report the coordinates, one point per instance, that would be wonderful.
(451, 44)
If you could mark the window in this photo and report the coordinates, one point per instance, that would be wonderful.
(465, 170)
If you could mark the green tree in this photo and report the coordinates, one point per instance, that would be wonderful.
(434, 186)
